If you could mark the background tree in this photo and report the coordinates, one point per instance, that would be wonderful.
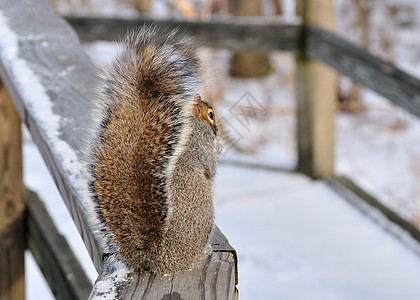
(248, 64)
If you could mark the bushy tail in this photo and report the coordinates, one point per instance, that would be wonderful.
(144, 100)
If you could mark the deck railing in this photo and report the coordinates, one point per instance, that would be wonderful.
(47, 78)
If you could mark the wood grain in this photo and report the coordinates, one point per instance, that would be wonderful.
(64, 75)
(370, 71)
(50, 49)
(12, 204)
(214, 278)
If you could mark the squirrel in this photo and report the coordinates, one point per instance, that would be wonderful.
(152, 154)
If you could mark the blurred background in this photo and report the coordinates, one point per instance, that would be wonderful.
(377, 143)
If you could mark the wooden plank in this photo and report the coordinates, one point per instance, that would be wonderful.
(60, 267)
(364, 201)
(49, 78)
(366, 69)
(220, 243)
(12, 204)
(244, 34)
(315, 87)
(214, 278)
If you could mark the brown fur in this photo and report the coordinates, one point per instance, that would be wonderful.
(155, 156)
(202, 111)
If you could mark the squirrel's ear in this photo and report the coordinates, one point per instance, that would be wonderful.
(197, 99)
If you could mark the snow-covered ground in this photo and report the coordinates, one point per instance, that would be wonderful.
(295, 238)
(375, 147)
(378, 147)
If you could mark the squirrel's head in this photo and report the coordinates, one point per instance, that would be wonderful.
(204, 113)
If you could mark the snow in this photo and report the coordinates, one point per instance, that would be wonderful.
(106, 288)
(31, 89)
(38, 179)
(38, 103)
(380, 147)
(28, 82)
(36, 175)
(296, 239)
(36, 285)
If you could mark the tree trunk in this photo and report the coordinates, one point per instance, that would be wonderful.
(143, 6)
(248, 64)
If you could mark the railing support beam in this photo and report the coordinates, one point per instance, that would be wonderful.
(315, 87)
(12, 205)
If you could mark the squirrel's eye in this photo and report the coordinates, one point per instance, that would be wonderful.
(211, 115)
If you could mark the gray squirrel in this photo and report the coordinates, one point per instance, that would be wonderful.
(152, 154)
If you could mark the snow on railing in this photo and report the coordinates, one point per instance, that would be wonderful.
(49, 77)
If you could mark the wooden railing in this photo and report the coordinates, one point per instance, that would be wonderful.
(49, 77)
(309, 42)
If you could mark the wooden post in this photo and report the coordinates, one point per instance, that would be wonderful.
(12, 206)
(316, 97)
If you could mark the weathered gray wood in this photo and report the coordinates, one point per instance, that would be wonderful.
(12, 204)
(214, 278)
(346, 58)
(60, 267)
(261, 35)
(358, 197)
(245, 33)
(220, 243)
(366, 69)
(49, 76)
(315, 87)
